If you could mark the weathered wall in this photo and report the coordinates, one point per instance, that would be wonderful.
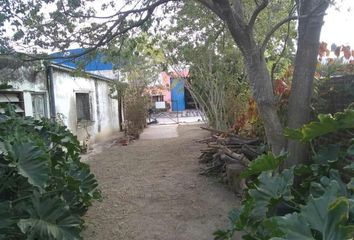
(27, 80)
(103, 108)
(108, 111)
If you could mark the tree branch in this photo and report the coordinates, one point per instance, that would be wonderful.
(274, 29)
(213, 7)
(256, 12)
(108, 36)
(275, 65)
(291, 18)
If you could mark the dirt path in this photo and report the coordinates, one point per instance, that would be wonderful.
(152, 191)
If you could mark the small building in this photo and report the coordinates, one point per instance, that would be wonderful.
(173, 91)
(82, 102)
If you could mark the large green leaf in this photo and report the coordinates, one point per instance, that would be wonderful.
(350, 150)
(350, 185)
(264, 162)
(315, 211)
(50, 219)
(335, 225)
(317, 189)
(271, 189)
(327, 214)
(326, 124)
(2, 148)
(30, 162)
(274, 186)
(88, 183)
(6, 219)
(294, 227)
(327, 154)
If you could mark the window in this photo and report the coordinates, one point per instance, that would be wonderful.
(158, 98)
(39, 105)
(83, 107)
(14, 98)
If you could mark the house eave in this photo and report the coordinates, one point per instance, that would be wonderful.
(70, 70)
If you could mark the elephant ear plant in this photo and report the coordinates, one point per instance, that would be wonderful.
(44, 188)
(308, 202)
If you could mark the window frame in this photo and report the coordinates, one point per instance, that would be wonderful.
(45, 104)
(89, 117)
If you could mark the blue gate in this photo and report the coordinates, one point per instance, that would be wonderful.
(177, 94)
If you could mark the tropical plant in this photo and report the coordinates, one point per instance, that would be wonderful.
(44, 188)
(314, 201)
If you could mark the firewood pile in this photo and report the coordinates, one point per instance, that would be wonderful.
(227, 155)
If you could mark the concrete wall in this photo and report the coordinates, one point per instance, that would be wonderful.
(104, 110)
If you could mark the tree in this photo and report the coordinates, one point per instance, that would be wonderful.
(310, 15)
(202, 41)
(242, 19)
(139, 63)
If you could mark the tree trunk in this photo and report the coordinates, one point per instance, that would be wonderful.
(263, 94)
(262, 88)
(299, 110)
(120, 111)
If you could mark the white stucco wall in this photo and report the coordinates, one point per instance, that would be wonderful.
(104, 110)
(108, 111)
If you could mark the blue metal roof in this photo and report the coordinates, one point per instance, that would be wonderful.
(90, 63)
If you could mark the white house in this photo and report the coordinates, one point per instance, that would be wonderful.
(81, 102)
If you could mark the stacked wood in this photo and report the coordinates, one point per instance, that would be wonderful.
(227, 154)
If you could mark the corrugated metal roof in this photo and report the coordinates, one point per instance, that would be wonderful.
(91, 62)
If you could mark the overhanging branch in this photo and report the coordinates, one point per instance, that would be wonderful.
(291, 18)
(256, 12)
(112, 32)
(274, 29)
(213, 7)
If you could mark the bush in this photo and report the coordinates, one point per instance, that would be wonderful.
(313, 201)
(44, 188)
(135, 111)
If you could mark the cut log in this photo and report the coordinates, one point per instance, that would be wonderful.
(250, 152)
(218, 131)
(229, 160)
(240, 157)
(235, 182)
(240, 140)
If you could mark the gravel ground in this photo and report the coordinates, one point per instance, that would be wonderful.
(152, 191)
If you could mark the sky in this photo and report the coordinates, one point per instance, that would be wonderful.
(339, 24)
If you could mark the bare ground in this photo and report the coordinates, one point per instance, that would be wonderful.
(152, 191)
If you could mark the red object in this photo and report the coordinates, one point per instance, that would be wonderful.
(281, 87)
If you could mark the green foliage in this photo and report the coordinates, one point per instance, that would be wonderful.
(265, 162)
(307, 201)
(139, 62)
(44, 187)
(326, 124)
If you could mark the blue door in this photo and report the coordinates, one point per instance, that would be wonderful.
(177, 95)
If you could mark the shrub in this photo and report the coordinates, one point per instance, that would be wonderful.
(313, 201)
(44, 188)
(135, 110)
